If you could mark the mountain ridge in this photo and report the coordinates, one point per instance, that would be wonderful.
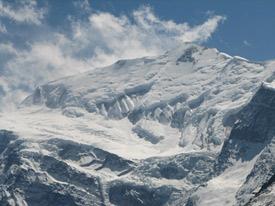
(177, 129)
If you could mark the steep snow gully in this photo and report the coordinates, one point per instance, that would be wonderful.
(191, 127)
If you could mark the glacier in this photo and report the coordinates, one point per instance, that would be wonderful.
(192, 127)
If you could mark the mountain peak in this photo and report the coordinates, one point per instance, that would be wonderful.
(191, 80)
(175, 120)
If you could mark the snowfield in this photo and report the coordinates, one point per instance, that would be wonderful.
(193, 126)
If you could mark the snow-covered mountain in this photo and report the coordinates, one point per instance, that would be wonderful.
(191, 127)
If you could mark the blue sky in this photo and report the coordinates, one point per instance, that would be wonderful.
(248, 31)
(42, 40)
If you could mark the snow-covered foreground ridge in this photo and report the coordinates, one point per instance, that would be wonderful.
(191, 127)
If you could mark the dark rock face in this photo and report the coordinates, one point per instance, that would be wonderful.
(54, 180)
(22, 183)
(41, 194)
(64, 173)
(136, 115)
(187, 56)
(195, 168)
(261, 177)
(69, 150)
(252, 137)
(266, 197)
(253, 130)
(136, 195)
(178, 118)
(148, 136)
(6, 137)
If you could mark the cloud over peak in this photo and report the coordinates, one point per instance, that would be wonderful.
(106, 37)
(97, 40)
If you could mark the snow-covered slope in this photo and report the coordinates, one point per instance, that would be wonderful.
(191, 127)
(192, 87)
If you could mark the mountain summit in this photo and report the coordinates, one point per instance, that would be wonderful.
(193, 126)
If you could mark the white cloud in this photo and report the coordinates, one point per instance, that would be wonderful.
(3, 28)
(43, 62)
(202, 32)
(106, 38)
(98, 41)
(26, 12)
(82, 4)
(27, 69)
(246, 43)
(7, 48)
